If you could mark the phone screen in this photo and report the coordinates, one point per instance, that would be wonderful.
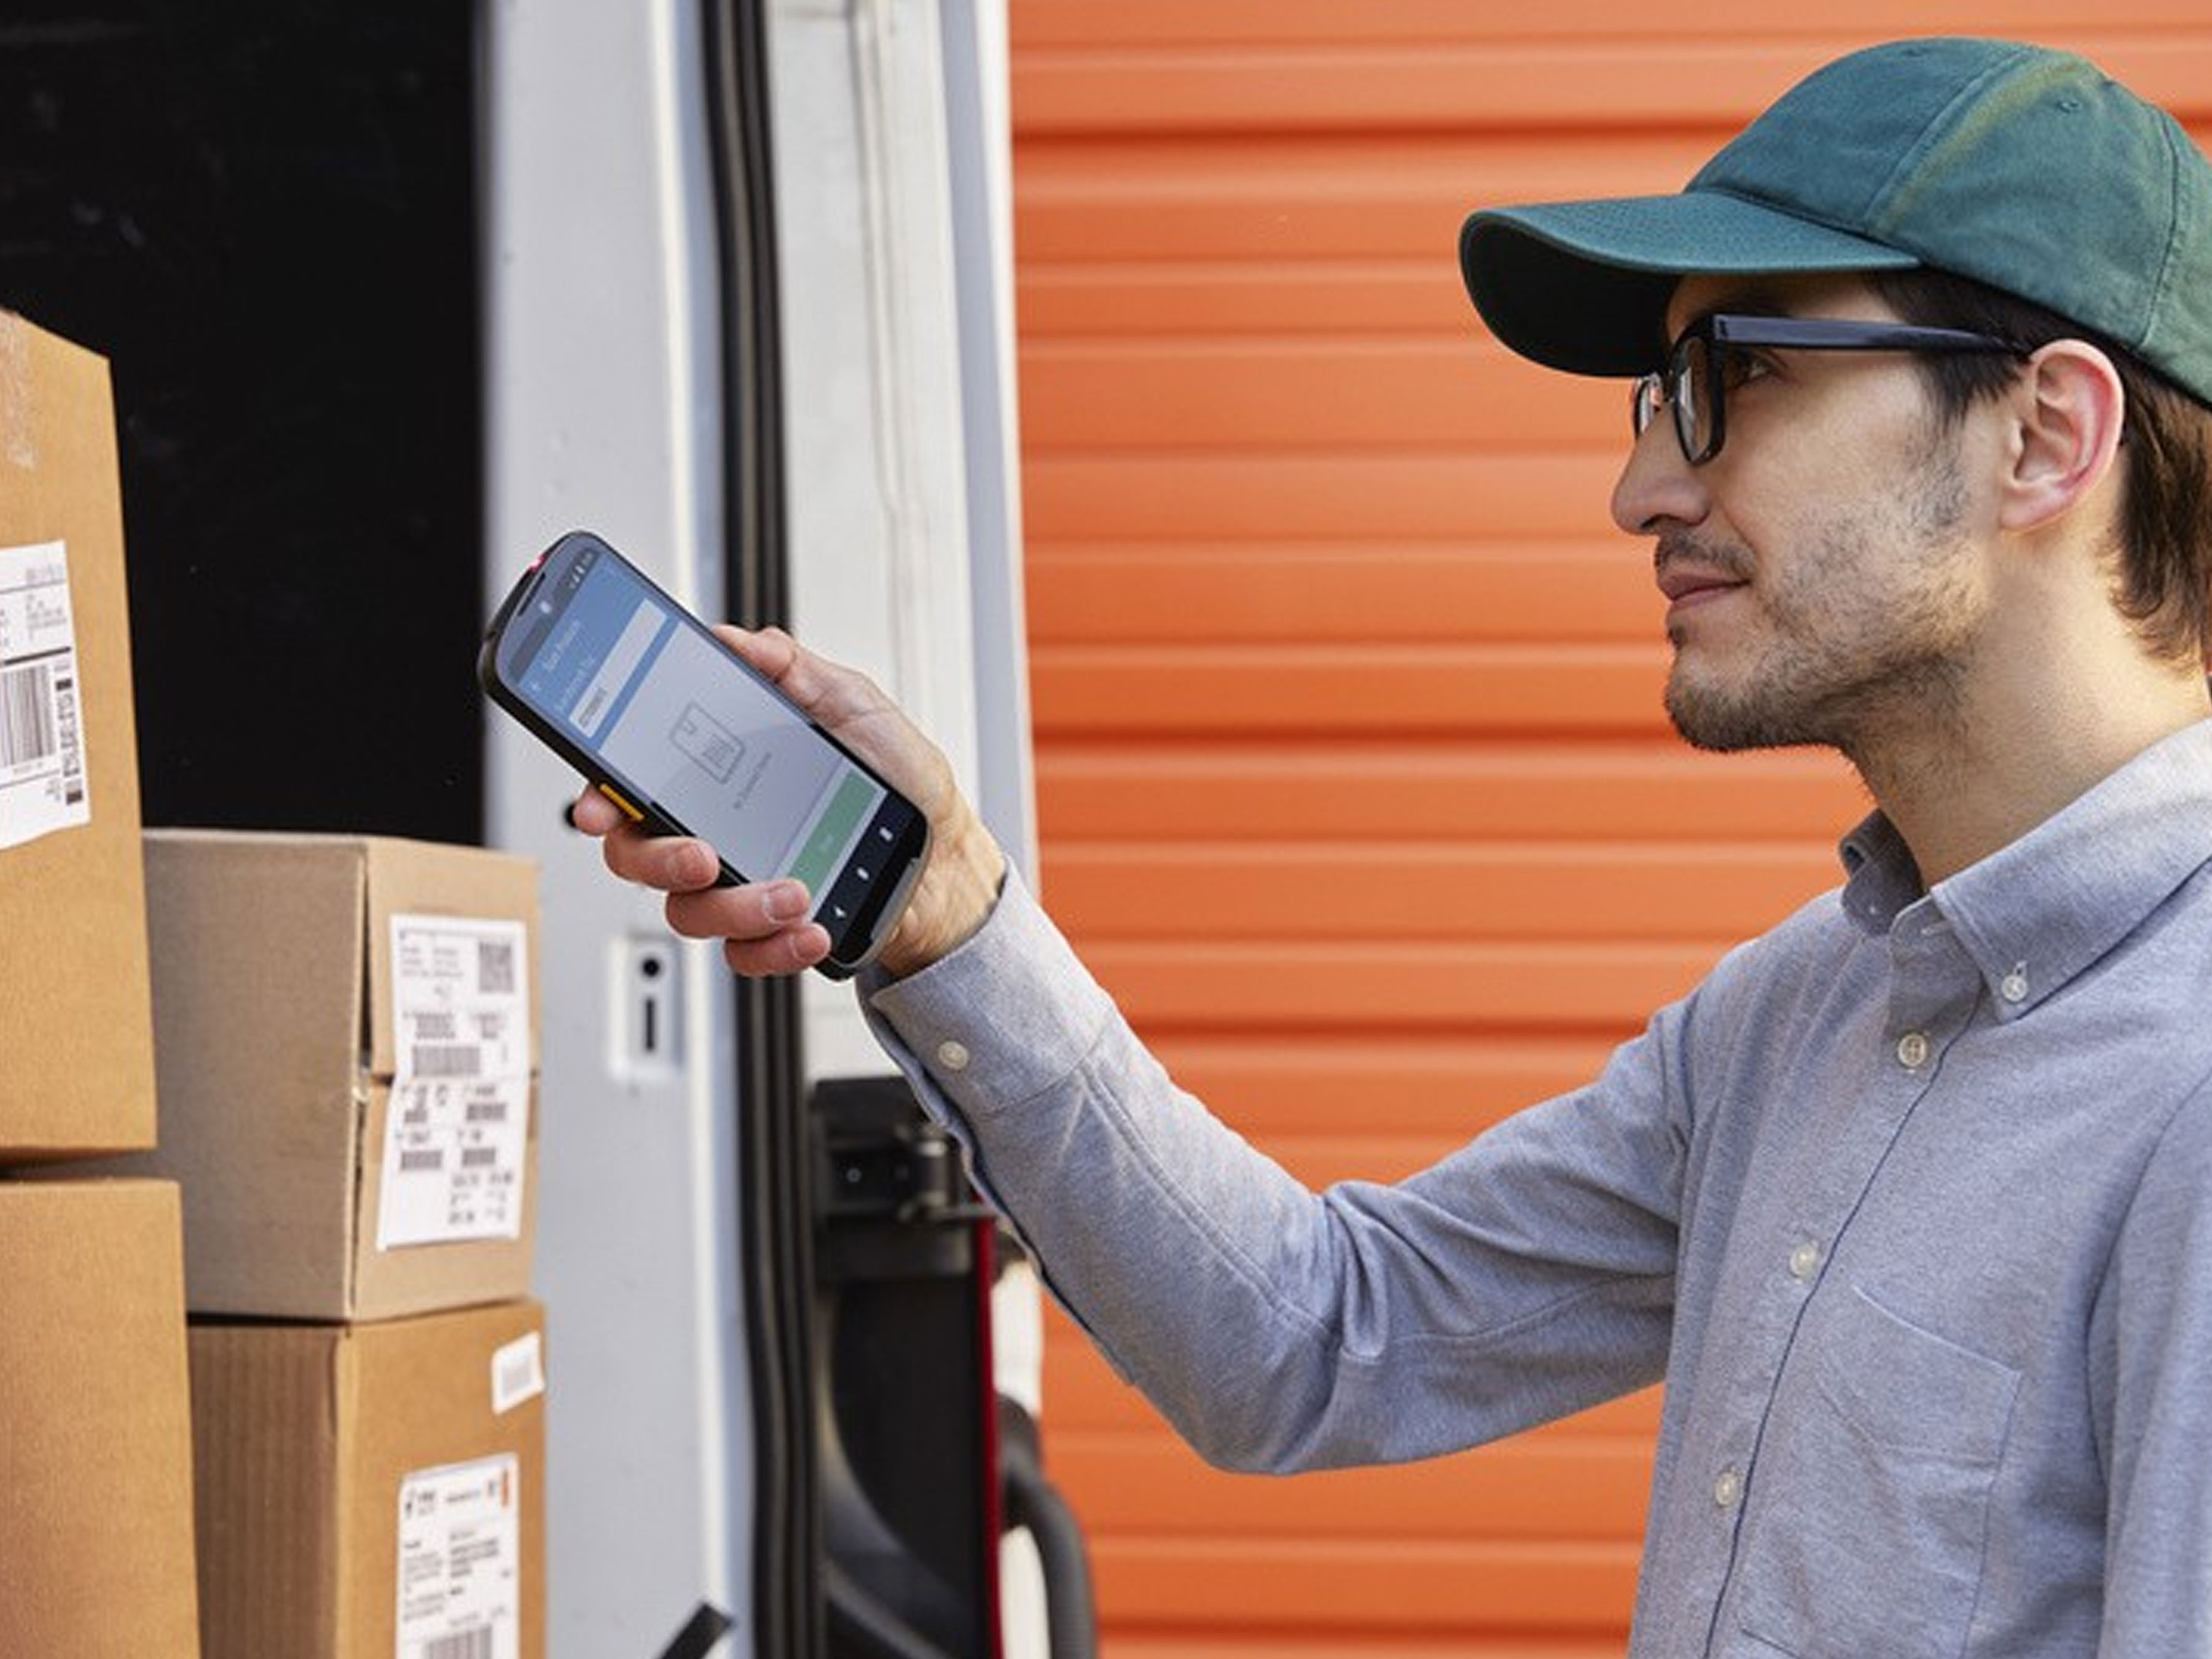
(634, 683)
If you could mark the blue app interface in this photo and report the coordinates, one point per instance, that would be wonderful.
(666, 709)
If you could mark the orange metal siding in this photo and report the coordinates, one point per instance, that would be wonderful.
(1354, 784)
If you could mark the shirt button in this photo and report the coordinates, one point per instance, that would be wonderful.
(1804, 1260)
(952, 1056)
(2014, 987)
(1727, 1490)
(1912, 1050)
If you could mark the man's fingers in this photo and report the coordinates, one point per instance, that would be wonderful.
(756, 910)
(791, 952)
(827, 691)
(595, 815)
(764, 925)
(674, 864)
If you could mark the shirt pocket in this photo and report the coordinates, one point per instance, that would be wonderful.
(1868, 1543)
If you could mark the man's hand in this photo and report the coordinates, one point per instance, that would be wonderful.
(762, 925)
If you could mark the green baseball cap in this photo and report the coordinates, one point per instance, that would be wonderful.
(2029, 170)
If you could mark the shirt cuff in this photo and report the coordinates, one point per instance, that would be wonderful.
(1001, 1019)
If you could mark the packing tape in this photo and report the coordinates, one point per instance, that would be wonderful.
(18, 440)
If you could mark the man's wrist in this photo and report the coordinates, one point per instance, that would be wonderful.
(967, 872)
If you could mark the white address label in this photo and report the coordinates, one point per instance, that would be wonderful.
(461, 1562)
(457, 1137)
(455, 1156)
(461, 998)
(42, 770)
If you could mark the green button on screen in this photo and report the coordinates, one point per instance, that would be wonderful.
(818, 858)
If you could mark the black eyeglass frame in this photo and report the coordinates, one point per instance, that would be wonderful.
(1722, 332)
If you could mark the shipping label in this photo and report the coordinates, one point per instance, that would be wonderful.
(461, 998)
(518, 1373)
(461, 1562)
(453, 1162)
(42, 769)
(458, 1127)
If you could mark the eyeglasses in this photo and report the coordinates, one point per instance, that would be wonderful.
(1710, 357)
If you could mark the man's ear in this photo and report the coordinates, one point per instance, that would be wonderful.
(2068, 406)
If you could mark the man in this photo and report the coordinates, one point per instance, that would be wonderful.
(1909, 1202)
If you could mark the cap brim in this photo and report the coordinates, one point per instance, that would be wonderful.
(1583, 286)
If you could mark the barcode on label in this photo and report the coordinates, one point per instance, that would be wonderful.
(461, 1645)
(479, 1157)
(72, 747)
(448, 1060)
(412, 1163)
(487, 1111)
(496, 967)
(27, 728)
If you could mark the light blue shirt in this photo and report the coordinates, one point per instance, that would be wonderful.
(1910, 1203)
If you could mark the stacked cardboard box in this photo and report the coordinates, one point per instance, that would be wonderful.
(95, 1426)
(74, 1035)
(346, 1033)
(96, 1547)
(372, 1489)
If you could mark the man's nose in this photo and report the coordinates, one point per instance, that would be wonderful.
(1657, 486)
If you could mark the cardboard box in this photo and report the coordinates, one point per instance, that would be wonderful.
(95, 1427)
(76, 1050)
(346, 1028)
(371, 1489)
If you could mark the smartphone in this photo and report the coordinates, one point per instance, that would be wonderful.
(680, 732)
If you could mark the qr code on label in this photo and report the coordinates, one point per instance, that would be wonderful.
(496, 967)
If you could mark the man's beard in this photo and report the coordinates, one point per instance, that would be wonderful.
(1871, 624)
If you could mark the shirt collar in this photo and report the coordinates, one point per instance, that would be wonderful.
(2036, 913)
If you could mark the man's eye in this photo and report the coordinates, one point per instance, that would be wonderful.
(1742, 365)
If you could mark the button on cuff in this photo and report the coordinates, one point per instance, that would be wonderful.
(1014, 997)
(952, 1056)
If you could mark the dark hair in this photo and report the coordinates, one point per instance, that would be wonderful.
(2164, 585)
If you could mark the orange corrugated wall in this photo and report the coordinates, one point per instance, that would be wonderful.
(1353, 782)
